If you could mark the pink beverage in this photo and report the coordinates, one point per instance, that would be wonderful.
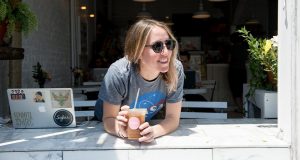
(136, 117)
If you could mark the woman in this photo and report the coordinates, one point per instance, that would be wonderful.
(150, 63)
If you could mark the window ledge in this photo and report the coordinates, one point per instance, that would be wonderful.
(238, 136)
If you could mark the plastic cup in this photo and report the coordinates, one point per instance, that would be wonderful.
(136, 117)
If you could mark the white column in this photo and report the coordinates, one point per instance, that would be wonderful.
(289, 73)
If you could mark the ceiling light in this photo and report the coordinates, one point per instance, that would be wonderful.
(201, 13)
(168, 21)
(92, 15)
(144, 13)
(217, 0)
(83, 7)
(144, 0)
(252, 21)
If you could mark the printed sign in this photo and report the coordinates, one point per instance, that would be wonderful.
(63, 117)
(23, 119)
(38, 97)
(17, 94)
(61, 99)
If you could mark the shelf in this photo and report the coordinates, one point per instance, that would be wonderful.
(9, 53)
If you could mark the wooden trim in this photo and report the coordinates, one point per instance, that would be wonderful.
(9, 53)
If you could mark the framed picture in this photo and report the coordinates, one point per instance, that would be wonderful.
(190, 43)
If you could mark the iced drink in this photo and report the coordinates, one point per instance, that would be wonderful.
(136, 117)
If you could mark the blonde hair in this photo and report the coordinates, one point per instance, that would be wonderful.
(135, 42)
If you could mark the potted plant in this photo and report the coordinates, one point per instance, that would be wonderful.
(263, 61)
(15, 15)
(40, 75)
(78, 75)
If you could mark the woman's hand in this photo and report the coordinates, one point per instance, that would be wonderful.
(147, 133)
(122, 121)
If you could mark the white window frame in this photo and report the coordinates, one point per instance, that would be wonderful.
(288, 74)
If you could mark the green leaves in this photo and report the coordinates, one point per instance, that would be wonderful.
(18, 16)
(3, 10)
(40, 76)
(262, 59)
(27, 19)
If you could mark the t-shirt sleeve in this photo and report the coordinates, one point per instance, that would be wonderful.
(177, 95)
(113, 87)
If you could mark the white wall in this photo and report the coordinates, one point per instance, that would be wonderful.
(50, 44)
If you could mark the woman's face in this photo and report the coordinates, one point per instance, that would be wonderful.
(151, 63)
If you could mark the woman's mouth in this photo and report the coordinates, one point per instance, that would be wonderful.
(163, 61)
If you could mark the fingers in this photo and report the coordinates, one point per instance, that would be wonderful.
(121, 117)
(122, 132)
(143, 126)
(146, 132)
(122, 120)
(125, 108)
(123, 113)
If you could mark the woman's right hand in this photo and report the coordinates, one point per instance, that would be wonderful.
(122, 121)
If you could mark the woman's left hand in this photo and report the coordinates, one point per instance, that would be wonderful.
(146, 132)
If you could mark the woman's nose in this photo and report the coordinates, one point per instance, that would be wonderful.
(165, 50)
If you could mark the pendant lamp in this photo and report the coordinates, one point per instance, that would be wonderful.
(143, 1)
(217, 0)
(143, 13)
(201, 13)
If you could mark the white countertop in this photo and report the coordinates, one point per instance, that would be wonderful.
(200, 133)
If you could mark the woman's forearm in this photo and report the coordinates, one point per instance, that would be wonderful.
(166, 126)
(110, 125)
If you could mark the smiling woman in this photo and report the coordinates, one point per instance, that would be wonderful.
(150, 65)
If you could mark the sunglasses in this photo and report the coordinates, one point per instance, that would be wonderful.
(158, 46)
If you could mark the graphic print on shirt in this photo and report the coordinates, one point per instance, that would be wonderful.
(153, 101)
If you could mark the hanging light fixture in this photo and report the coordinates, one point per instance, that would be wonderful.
(252, 20)
(168, 21)
(201, 13)
(143, 13)
(217, 0)
(144, 0)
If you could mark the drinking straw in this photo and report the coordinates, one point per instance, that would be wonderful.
(136, 98)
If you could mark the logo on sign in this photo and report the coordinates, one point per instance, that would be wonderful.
(63, 117)
(134, 123)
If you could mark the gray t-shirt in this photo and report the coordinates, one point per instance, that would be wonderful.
(121, 83)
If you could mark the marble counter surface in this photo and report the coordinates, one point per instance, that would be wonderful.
(191, 134)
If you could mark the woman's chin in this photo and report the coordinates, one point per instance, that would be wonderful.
(164, 69)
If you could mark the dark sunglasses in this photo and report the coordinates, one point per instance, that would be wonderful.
(158, 46)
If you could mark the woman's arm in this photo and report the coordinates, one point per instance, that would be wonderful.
(114, 120)
(168, 125)
(171, 121)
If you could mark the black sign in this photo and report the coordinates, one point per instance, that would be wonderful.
(63, 117)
